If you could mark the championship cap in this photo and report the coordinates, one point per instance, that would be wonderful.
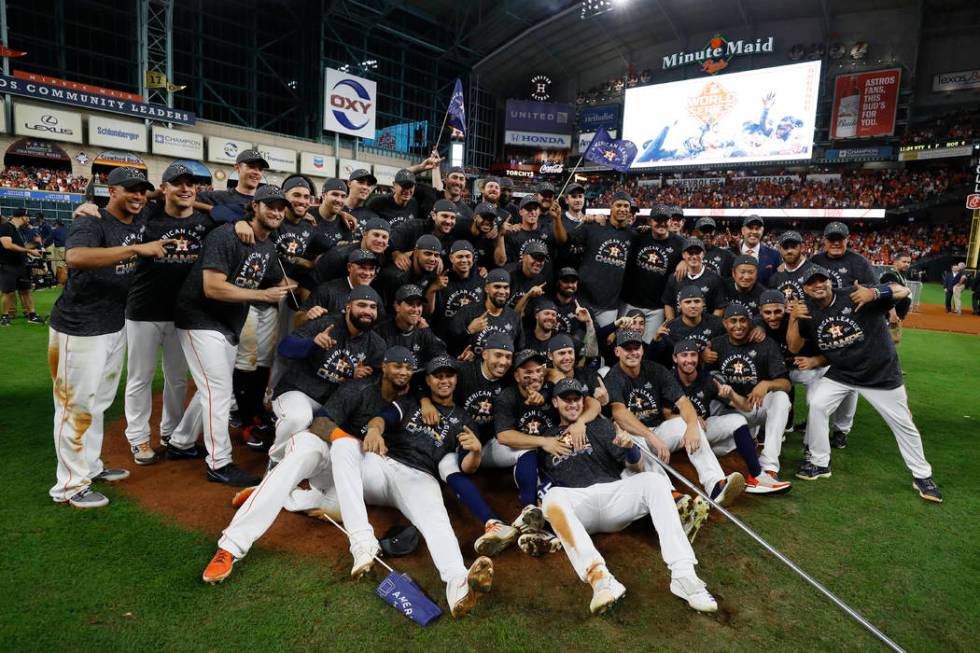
(676, 212)
(560, 341)
(753, 219)
(491, 180)
(270, 194)
(544, 304)
(574, 187)
(536, 247)
(428, 243)
(569, 386)
(405, 177)
(364, 293)
(175, 171)
(626, 336)
(526, 355)
(744, 259)
(529, 200)
(659, 212)
(704, 223)
(400, 540)
(441, 362)
(621, 196)
(634, 312)
(399, 354)
(771, 297)
(498, 340)
(545, 188)
(567, 272)
(735, 309)
(689, 292)
(790, 237)
(497, 275)
(251, 157)
(334, 184)
(376, 223)
(295, 181)
(693, 243)
(456, 170)
(685, 345)
(409, 291)
(816, 271)
(362, 175)
(129, 178)
(485, 208)
(362, 256)
(444, 205)
(461, 246)
(836, 230)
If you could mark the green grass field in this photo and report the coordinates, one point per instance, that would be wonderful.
(122, 579)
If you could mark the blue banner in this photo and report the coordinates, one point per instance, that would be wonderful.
(617, 154)
(882, 153)
(539, 117)
(42, 195)
(400, 138)
(85, 100)
(606, 116)
(457, 110)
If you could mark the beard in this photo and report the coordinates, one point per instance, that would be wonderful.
(363, 322)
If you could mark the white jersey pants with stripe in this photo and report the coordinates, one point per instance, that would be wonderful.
(496, 455)
(772, 416)
(843, 418)
(294, 413)
(574, 513)
(257, 342)
(418, 496)
(304, 457)
(85, 375)
(892, 405)
(144, 341)
(672, 431)
(720, 431)
(211, 359)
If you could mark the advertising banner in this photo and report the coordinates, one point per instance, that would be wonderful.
(279, 158)
(347, 166)
(590, 119)
(538, 140)
(317, 165)
(776, 179)
(225, 150)
(44, 122)
(585, 139)
(541, 117)
(41, 195)
(179, 144)
(880, 153)
(76, 86)
(402, 137)
(824, 177)
(122, 134)
(696, 182)
(385, 174)
(865, 104)
(958, 81)
(822, 214)
(349, 104)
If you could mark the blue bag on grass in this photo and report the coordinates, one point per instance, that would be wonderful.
(401, 592)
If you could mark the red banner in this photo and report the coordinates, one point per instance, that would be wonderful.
(75, 86)
(865, 104)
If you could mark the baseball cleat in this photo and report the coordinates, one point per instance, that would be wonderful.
(927, 489)
(727, 490)
(4, 321)
(697, 516)
(143, 454)
(364, 555)
(693, 590)
(191, 453)
(766, 483)
(241, 497)
(110, 476)
(606, 590)
(530, 519)
(538, 543)
(219, 568)
(479, 580)
(34, 318)
(810, 472)
(87, 499)
(497, 537)
(232, 475)
(683, 503)
(838, 440)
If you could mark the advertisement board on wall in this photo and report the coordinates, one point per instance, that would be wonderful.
(278, 158)
(865, 104)
(590, 119)
(225, 150)
(177, 143)
(45, 122)
(759, 115)
(347, 166)
(317, 165)
(349, 104)
(540, 117)
(122, 134)
(385, 174)
(958, 81)
(538, 140)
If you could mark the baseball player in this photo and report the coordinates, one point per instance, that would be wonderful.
(360, 183)
(900, 267)
(211, 310)
(474, 323)
(334, 226)
(15, 278)
(333, 263)
(229, 205)
(788, 278)
(87, 337)
(656, 255)
(150, 312)
(639, 392)
(573, 218)
(402, 461)
(407, 328)
(530, 228)
(693, 323)
(587, 495)
(698, 275)
(331, 296)
(424, 266)
(850, 330)
(717, 259)
(401, 204)
(456, 287)
(751, 244)
(675, 222)
(726, 431)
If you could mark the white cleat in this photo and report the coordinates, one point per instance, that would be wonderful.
(693, 590)
(734, 485)
(364, 555)
(605, 592)
(497, 537)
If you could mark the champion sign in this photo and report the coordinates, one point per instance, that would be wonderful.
(349, 104)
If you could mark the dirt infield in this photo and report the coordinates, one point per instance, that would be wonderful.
(933, 317)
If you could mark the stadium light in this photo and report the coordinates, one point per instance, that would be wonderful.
(592, 8)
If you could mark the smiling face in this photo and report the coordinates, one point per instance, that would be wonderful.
(333, 201)
(530, 376)
(455, 182)
(532, 264)
(491, 192)
(658, 226)
(362, 313)
(249, 176)
(791, 253)
(403, 192)
(630, 355)
(442, 384)
(398, 374)
(818, 289)
(409, 311)
(462, 262)
(620, 213)
(576, 201)
(444, 221)
(835, 246)
(179, 194)
(530, 215)
(546, 319)
(427, 260)
(772, 315)
(269, 215)
(686, 361)
(375, 240)
(360, 189)
(363, 273)
(569, 406)
(498, 293)
(692, 307)
(497, 362)
(737, 327)
(563, 359)
(752, 234)
(745, 276)
(130, 202)
(694, 258)
(299, 200)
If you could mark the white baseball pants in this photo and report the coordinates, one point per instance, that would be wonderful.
(772, 416)
(497, 455)
(144, 340)
(304, 456)
(574, 513)
(672, 431)
(85, 375)
(387, 482)
(257, 342)
(892, 405)
(294, 413)
(843, 418)
(211, 359)
(719, 431)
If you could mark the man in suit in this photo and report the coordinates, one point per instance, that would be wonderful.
(751, 245)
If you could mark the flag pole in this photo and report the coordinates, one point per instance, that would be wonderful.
(571, 175)
(443, 128)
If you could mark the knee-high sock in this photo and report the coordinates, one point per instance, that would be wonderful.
(462, 486)
(746, 448)
(526, 476)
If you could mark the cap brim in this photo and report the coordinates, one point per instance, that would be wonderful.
(440, 368)
(412, 296)
(753, 221)
(133, 184)
(371, 179)
(180, 176)
(569, 392)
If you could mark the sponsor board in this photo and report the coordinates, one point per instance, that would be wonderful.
(865, 104)
(718, 52)
(538, 140)
(825, 214)
(279, 158)
(349, 104)
(45, 122)
(935, 153)
(177, 143)
(121, 134)
(590, 119)
(347, 166)
(882, 153)
(958, 81)
(317, 165)
(225, 150)
(385, 174)
(539, 117)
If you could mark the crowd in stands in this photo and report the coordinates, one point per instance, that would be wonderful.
(890, 189)
(960, 125)
(31, 178)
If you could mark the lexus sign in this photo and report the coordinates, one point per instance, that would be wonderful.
(350, 104)
(47, 123)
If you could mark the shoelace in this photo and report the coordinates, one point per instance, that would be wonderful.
(222, 557)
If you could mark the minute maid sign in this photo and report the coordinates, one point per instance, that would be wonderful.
(717, 52)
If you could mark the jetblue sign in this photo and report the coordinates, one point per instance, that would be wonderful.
(349, 104)
(591, 119)
(538, 140)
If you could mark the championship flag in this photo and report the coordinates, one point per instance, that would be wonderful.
(457, 111)
(7, 52)
(617, 154)
(155, 79)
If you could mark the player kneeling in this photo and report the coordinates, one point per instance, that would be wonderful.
(401, 469)
(587, 495)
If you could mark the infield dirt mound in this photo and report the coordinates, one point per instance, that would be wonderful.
(934, 317)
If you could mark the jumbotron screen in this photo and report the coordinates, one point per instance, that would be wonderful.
(759, 115)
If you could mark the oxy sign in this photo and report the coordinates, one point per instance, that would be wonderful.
(349, 104)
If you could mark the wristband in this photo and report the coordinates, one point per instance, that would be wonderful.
(339, 433)
(884, 291)
(633, 455)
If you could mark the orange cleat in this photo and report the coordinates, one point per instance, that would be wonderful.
(219, 568)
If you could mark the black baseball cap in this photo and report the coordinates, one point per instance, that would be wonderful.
(536, 247)
(399, 354)
(693, 243)
(626, 336)
(498, 340)
(294, 181)
(676, 212)
(361, 174)
(545, 188)
(334, 184)
(544, 304)
(744, 259)
(685, 345)
(428, 243)
(441, 362)
(497, 275)
(362, 256)
(409, 291)
(569, 386)
(735, 309)
(621, 196)
(566, 272)
(485, 208)
(444, 205)
(837, 230)
(526, 355)
(175, 171)
(129, 178)
(689, 292)
(461, 246)
(251, 156)
(405, 177)
(574, 187)
(528, 200)
(560, 341)
(270, 194)
(400, 540)
(817, 271)
(506, 182)
(459, 170)
(753, 218)
(771, 297)
(659, 212)
(790, 237)
(705, 222)
(377, 223)
(365, 293)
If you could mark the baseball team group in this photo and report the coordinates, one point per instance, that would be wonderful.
(378, 346)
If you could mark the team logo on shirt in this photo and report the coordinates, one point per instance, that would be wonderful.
(293, 244)
(188, 245)
(460, 298)
(437, 433)
(643, 403)
(557, 459)
(701, 337)
(479, 406)
(740, 369)
(791, 289)
(339, 365)
(838, 332)
(613, 252)
(134, 238)
(652, 258)
(252, 270)
(534, 422)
